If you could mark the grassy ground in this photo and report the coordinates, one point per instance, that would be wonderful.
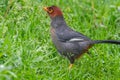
(26, 50)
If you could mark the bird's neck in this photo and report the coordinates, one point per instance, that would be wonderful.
(57, 21)
(58, 17)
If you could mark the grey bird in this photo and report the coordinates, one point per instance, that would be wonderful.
(68, 42)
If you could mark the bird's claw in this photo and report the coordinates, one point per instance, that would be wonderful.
(70, 66)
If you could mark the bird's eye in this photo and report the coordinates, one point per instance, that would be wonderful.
(50, 10)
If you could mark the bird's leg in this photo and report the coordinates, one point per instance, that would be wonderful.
(71, 62)
(70, 66)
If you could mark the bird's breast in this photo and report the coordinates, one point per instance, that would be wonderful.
(55, 40)
(53, 35)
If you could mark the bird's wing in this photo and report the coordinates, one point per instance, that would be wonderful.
(69, 35)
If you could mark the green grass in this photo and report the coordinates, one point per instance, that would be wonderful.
(26, 49)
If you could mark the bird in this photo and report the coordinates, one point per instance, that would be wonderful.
(68, 42)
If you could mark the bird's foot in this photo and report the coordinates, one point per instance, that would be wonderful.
(70, 66)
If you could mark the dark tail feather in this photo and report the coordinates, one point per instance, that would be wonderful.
(106, 41)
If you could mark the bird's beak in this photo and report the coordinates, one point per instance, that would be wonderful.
(46, 9)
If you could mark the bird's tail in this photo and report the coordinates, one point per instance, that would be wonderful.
(106, 41)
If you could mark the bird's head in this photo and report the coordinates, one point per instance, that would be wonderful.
(53, 11)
